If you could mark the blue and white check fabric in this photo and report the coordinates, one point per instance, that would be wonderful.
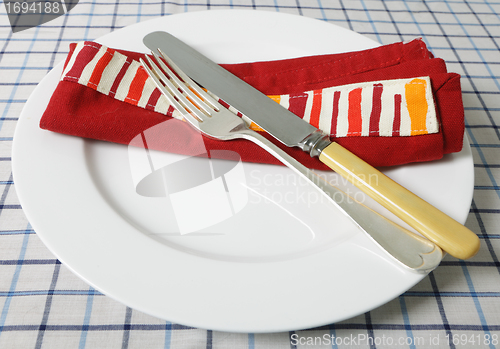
(43, 305)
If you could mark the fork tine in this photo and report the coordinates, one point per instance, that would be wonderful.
(153, 74)
(190, 83)
(167, 83)
(171, 92)
(184, 87)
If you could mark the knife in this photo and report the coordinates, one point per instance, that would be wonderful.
(286, 127)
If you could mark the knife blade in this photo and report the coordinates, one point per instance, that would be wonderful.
(291, 130)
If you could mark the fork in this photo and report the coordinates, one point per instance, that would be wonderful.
(212, 119)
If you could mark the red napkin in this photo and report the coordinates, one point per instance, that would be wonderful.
(83, 111)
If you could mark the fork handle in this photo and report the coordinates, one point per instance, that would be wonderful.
(408, 248)
(438, 227)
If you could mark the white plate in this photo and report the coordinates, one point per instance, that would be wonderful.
(279, 266)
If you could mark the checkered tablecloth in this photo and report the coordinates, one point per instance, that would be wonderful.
(43, 305)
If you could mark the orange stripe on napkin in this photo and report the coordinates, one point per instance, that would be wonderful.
(136, 87)
(276, 98)
(417, 105)
(354, 112)
(96, 76)
(316, 108)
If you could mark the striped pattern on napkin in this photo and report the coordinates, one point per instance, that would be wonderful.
(388, 108)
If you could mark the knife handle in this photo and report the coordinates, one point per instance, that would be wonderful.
(444, 231)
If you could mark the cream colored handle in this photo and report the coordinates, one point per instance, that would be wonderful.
(438, 227)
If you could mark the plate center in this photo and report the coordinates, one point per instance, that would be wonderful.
(220, 209)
